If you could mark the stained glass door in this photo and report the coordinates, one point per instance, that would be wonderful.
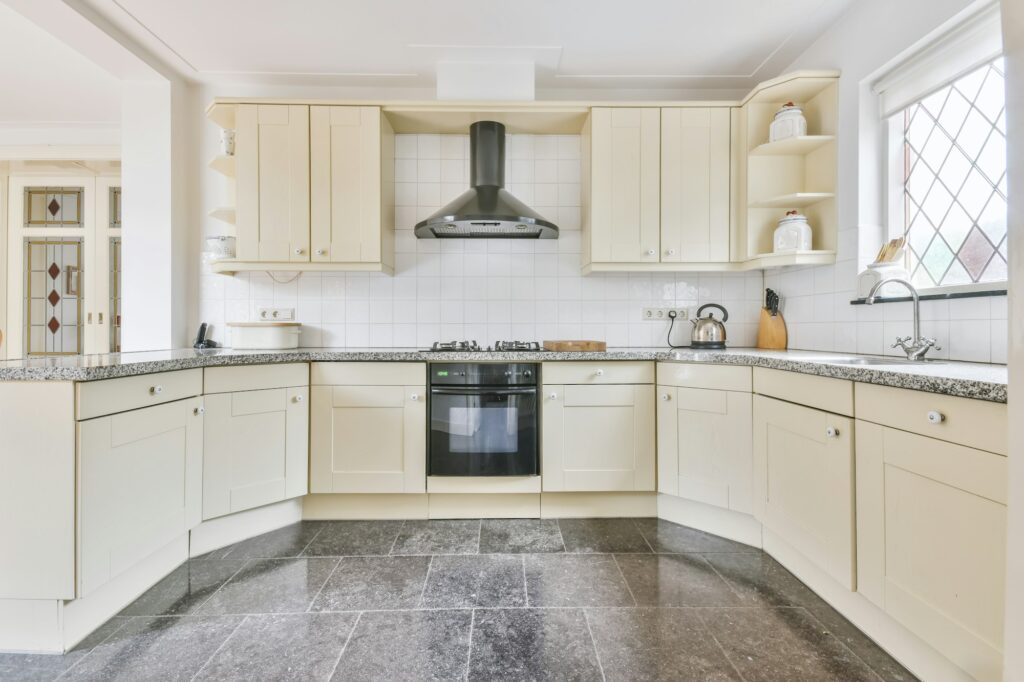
(53, 296)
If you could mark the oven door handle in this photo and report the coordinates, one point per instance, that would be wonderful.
(483, 391)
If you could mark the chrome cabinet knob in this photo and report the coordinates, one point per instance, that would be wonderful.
(553, 395)
(298, 252)
(936, 417)
(832, 432)
(199, 411)
(671, 252)
(156, 390)
(651, 252)
(320, 252)
(666, 397)
(599, 373)
(414, 397)
(299, 398)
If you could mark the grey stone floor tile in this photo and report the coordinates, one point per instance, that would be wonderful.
(354, 538)
(520, 536)
(665, 536)
(474, 581)
(602, 535)
(772, 644)
(532, 644)
(271, 586)
(407, 645)
(39, 667)
(888, 668)
(185, 589)
(761, 581)
(160, 648)
(675, 580)
(439, 536)
(657, 644)
(277, 544)
(575, 580)
(282, 647)
(360, 583)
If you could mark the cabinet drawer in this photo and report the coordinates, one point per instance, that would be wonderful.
(368, 374)
(823, 393)
(598, 372)
(254, 378)
(974, 423)
(109, 396)
(716, 377)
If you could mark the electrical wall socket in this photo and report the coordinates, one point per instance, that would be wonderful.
(661, 314)
(276, 314)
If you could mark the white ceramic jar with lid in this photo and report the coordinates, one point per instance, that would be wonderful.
(788, 122)
(793, 233)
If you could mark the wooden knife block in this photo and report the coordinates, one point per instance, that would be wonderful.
(771, 331)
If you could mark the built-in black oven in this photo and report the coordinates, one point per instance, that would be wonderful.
(484, 419)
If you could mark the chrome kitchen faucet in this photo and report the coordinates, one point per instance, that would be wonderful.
(915, 346)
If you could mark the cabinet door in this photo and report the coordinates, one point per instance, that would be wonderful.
(255, 444)
(931, 527)
(272, 182)
(625, 212)
(139, 486)
(598, 438)
(704, 446)
(369, 439)
(803, 477)
(695, 185)
(345, 162)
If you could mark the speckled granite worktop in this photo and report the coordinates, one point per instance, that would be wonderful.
(966, 379)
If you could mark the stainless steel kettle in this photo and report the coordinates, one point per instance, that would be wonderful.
(707, 331)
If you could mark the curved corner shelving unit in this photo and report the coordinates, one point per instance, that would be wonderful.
(795, 200)
(223, 213)
(799, 146)
(223, 164)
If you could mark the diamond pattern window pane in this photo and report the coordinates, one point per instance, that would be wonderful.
(955, 181)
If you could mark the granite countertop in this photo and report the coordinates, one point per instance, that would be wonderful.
(964, 379)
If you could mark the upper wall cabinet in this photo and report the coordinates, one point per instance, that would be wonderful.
(314, 187)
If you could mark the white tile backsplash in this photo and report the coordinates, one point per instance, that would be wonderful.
(484, 289)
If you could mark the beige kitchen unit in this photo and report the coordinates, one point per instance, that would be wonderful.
(803, 467)
(704, 434)
(931, 519)
(256, 436)
(368, 427)
(597, 426)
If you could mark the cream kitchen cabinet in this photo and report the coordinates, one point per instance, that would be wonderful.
(695, 174)
(621, 166)
(803, 481)
(352, 185)
(704, 434)
(139, 486)
(256, 436)
(931, 519)
(598, 426)
(272, 182)
(368, 427)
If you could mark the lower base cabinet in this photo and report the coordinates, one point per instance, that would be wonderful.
(139, 486)
(368, 428)
(931, 526)
(803, 478)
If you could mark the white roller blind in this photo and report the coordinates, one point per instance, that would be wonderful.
(961, 49)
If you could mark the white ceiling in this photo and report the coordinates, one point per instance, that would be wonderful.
(46, 83)
(603, 44)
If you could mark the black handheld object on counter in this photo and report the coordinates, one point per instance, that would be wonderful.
(201, 340)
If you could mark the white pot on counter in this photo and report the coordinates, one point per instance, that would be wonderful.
(264, 335)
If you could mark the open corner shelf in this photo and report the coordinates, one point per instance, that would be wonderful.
(778, 260)
(793, 146)
(223, 164)
(231, 267)
(794, 200)
(222, 114)
(223, 213)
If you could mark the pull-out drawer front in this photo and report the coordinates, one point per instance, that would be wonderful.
(255, 378)
(110, 396)
(598, 372)
(974, 423)
(714, 377)
(823, 393)
(368, 374)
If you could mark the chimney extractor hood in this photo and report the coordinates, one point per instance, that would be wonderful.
(486, 209)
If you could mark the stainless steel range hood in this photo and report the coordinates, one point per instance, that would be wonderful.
(486, 209)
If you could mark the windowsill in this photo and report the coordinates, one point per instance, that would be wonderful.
(935, 296)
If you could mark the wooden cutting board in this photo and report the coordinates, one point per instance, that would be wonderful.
(771, 331)
(572, 346)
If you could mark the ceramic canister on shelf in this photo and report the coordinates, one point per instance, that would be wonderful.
(227, 142)
(792, 234)
(220, 248)
(788, 122)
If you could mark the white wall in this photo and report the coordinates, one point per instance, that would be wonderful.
(871, 35)
(481, 289)
(1013, 44)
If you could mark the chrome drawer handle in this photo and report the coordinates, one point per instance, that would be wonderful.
(199, 410)
(156, 390)
(832, 432)
(936, 417)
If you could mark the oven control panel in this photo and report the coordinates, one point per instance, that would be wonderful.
(484, 373)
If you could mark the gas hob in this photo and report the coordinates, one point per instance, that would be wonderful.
(474, 347)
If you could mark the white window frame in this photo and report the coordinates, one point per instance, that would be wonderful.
(969, 45)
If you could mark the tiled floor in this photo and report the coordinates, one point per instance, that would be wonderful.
(579, 599)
